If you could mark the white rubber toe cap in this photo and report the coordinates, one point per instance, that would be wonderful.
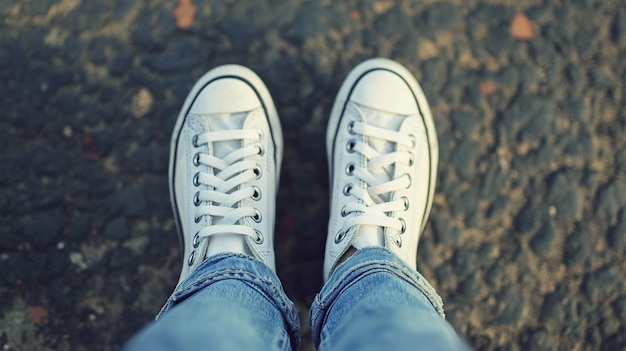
(385, 91)
(225, 95)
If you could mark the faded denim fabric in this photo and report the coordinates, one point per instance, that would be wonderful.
(373, 301)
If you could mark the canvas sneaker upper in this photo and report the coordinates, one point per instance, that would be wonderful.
(224, 166)
(383, 154)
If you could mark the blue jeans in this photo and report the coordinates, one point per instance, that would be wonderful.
(372, 301)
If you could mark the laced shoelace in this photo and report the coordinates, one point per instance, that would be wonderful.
(372, 205)
(225, 188)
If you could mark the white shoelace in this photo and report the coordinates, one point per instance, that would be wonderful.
(227, 186)
(372, 205)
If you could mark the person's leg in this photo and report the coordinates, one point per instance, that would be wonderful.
(374, 301)
(231, 302)
(225, 161)
(383, 154)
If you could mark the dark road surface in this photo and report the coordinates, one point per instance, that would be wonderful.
(527, 236)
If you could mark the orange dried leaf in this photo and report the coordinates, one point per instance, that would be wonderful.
(521, 27)
(89, 148)
(183, 13)
(354, 15)
(487, 87)
(38, 314)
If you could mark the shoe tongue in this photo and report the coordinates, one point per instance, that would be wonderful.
(218, 122)
(386, 121)
(368, 236)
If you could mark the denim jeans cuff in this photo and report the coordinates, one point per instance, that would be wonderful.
(243, 268)
(364, 262)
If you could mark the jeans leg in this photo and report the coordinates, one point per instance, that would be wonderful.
(231, 302)
(373, 301)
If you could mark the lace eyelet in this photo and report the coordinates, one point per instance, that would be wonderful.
(261, 135)
(191, 258)
(196, 179)
(257, 216)
(197, 219)
(406, 202)
(403, 229)
(413, 140)
(257, 171)
(194, 140)
(411, 160)
(351, 128)
(259, 238)
(261, 151)
(350, 168)
(410, 181)
(398, 241)
(350, 146)
(343, 212)
(196, 240)
(256, 195)
(196, 199)
(196, 159)
(340, 236)
(347, 189)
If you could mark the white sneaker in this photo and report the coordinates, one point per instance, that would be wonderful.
(225, 161)
(382, 153)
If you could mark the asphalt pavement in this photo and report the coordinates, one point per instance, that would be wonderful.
(527, 236)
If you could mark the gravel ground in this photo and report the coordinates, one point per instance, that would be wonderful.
(527, 237)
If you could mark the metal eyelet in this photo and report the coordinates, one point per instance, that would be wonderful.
(261, 135)
(257, 171)
(256, 195)
(350, 168)
(340, 236)
(343, 212)
(403, 229)
(413, 141)
(196, 159)
(351, 128)
(347, 189)
(194, 140)
(196, 240)
(410, 181)
(350, 146)
(191, 257)
(196, 199)
(411, 160)
(257, 216)
(261, 151)
(398, 241)
(196, 179)
(406, 202)
(259, 238)
(197, 219)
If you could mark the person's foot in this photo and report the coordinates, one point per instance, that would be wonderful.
(225, 161)
(382, 153)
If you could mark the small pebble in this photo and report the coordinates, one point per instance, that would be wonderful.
(77, 259)
(552, 211)
(67, 131)
(142, 103)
